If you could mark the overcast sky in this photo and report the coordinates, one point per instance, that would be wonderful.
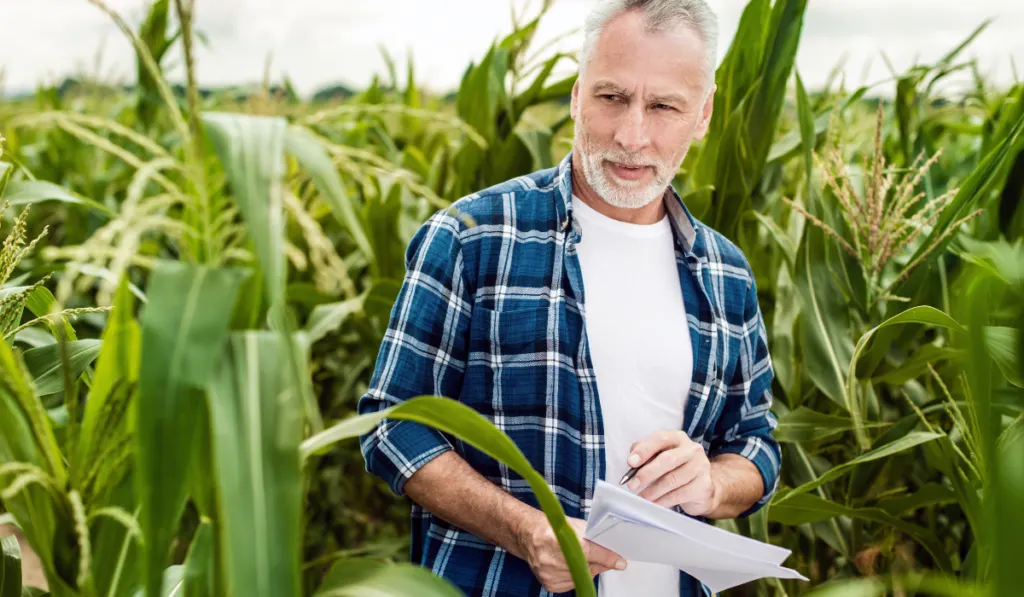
(320, 42)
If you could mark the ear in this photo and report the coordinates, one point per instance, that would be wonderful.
(705, 114)
(574, 99)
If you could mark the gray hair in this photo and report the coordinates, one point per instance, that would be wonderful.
(659, 15)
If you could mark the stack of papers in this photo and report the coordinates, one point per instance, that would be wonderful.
(642, 531)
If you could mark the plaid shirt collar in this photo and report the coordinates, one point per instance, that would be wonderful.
(683, 224)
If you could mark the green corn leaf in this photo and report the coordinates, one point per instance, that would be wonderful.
(917, 364)
(252, 151)
(808, 508)
(1006, 517)
(808, 134)
(184, 327)
(920, 314)
(106, 424)
(328, 318)
(902, 444)
(313, 158)
(929, 494)
(824, 319)
(779, 235)
(459, 420)
(1002, 346)
(537, 142)
(10, 567)
(28, 192)
(970, 192)
(41, 303)
(256, 425)
(359, 577)
(806, 425)
(44, 364)
(200, 567)
(27, 435)
(776, 67)
(171, 583)
(792, 143)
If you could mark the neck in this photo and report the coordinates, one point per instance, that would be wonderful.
(648, 214)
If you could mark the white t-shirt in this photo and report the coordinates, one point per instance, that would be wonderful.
(640, 347)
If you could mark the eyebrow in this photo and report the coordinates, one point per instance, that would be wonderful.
(667, 98)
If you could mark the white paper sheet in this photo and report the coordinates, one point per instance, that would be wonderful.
(643, 531)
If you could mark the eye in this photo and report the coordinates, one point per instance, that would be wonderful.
(663, 107)
(608, 97)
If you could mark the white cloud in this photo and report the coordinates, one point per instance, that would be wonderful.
(318, 42)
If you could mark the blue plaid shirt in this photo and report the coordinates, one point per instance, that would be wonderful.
(491, 314)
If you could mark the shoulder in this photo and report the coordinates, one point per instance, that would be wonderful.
(525, 202)
(725, 258)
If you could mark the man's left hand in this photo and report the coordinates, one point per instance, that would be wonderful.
(676, 472)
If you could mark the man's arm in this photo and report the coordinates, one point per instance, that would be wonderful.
(744, 431)
(452, 490)
(741, 473)
(423, 352)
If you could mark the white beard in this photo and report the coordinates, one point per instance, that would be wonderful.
(621, 193)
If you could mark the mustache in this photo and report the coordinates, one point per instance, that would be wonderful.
(627, 160)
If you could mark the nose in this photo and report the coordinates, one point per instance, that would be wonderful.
(631, 133)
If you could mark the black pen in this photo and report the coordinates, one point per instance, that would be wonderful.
(629, 474)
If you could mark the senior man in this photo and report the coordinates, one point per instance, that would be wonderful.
(587, 314)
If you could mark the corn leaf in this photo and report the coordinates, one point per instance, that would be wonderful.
(806, 425)
(256, 424)
(251, 149)
(808, 508)
(41, 303)
(28, 192)
(359, 577)
(824, 322)
(1006, 518)
(171, 583)
(970, 192)
(920, 314)
(44, 364)
(184, 326)
(459, 420)
(313, 158)
(116, 367)
(929, 494)
(1002, 346)
(902, 444)
(917, 363)
(200, 568)
(777, 64)
(328, 318)
(10, 567)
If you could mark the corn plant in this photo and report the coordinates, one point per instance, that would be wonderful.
(203, 396)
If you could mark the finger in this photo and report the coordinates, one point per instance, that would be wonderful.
(670, 481)
(603, 556)
(661, 464)
(643, 450)
(683, 496)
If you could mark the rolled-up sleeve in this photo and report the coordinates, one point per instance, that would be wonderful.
(746, 424)
(423, 352)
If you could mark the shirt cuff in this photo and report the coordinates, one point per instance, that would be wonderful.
(755, 450)
(400, 448)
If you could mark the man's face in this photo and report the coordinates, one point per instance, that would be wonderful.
(638, 105)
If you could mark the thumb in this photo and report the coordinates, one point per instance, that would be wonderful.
(603, 556)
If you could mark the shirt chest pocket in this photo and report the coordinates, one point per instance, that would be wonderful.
(510, 352)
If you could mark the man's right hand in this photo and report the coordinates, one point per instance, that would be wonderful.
(547, 562)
